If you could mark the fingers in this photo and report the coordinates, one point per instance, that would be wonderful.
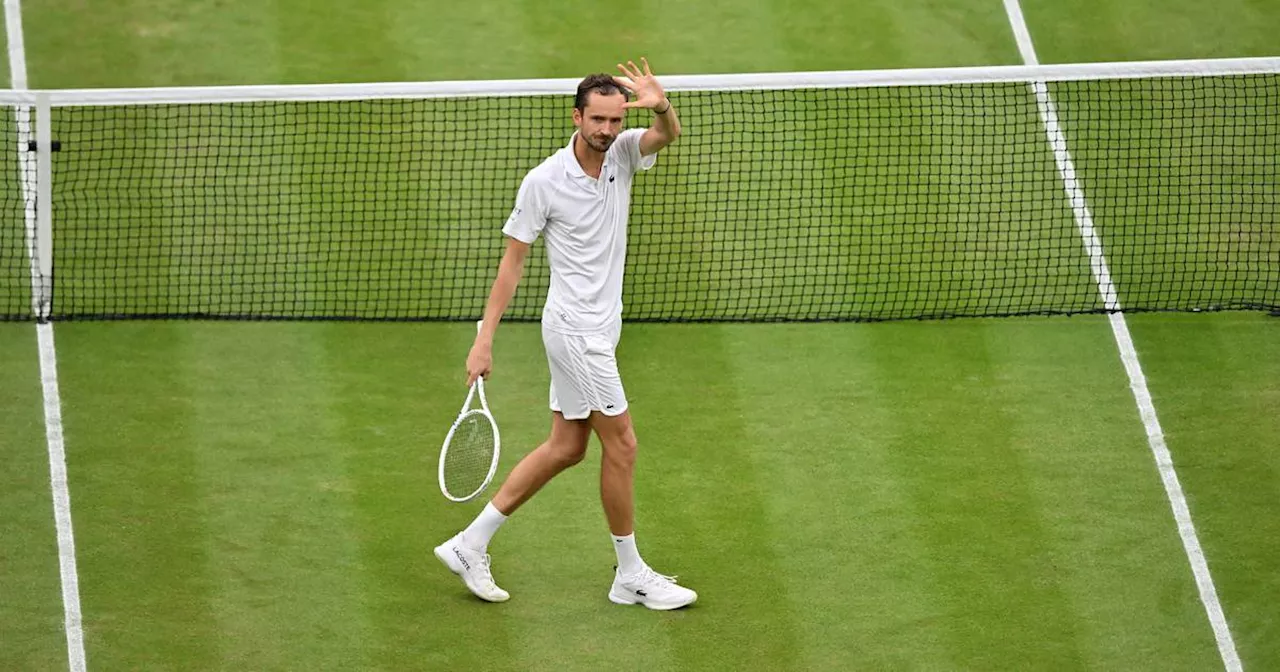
(625, 83)
(476, 369)
(479, 362)
(647, 71)
(631, 70)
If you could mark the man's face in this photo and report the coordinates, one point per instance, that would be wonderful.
(600, 122)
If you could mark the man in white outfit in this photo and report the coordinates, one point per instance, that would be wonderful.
(577, 200)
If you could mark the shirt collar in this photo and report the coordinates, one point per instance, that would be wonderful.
(571, 166)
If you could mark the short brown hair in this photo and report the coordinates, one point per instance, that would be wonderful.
(599, 83)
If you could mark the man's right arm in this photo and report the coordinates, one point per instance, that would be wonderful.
(510, 270)
(526, 222)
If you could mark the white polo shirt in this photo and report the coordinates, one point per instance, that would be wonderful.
(583, 222)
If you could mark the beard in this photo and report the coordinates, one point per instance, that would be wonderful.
(599, 143)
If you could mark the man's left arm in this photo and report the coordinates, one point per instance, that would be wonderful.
(663, 131)
(649, 94)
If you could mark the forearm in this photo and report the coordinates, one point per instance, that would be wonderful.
(504, 287)
(666, 123)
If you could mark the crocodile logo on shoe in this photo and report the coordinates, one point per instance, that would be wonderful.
(641, 593)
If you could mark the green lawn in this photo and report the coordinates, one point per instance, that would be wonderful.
(959, 494)
(30, 596)
(1217, 387)
(165, 43)
(872, 499)
(1141, 30)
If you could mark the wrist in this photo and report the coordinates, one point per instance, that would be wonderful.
(664, 110)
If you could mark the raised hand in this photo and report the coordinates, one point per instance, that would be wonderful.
(643, 84)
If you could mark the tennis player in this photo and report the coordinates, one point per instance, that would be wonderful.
(578, 200)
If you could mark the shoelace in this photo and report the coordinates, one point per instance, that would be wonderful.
(649, 577)
(485, 574)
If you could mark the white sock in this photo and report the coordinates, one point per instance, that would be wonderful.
(629, 561)
(481, 530)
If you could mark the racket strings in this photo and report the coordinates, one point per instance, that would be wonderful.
(469, 456)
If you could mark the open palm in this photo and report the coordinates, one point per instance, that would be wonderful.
(643, 84)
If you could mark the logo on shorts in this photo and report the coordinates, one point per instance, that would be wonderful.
(608, 407)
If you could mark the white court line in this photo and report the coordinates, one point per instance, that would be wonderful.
(1124, 342)
(17, 47)
(61, 498)
(48, 357)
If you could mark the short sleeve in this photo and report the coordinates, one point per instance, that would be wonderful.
(529, 215)
(629, 142)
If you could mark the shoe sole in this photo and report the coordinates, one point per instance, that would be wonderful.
(442, 554)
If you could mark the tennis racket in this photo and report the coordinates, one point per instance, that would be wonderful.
(469, 455)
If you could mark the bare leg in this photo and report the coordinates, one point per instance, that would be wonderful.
(564, 448)
(617, 470)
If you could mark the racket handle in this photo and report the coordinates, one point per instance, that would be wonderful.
(480, 379)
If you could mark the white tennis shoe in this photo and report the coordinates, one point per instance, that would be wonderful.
(651, 589)
(473, 567)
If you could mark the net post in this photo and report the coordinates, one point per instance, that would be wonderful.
(43, 290)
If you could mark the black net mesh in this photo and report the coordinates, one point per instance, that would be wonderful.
(816, 204)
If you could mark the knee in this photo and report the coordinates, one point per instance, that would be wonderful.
(621, 450)
(567, 454)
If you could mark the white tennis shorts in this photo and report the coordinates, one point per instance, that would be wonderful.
(584, 373)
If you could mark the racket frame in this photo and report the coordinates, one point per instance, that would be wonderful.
(463, 415)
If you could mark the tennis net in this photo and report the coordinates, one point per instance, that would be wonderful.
(791, 196)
